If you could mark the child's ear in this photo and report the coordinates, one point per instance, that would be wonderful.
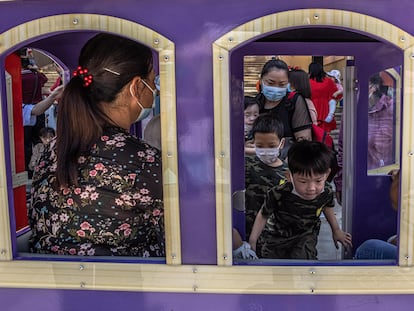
(282, 143)
(288, 176)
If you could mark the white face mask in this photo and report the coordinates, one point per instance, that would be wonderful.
(145, 111)
(268, 155)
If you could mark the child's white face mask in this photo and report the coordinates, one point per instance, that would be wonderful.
(268, 155)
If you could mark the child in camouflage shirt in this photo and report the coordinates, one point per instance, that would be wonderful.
(263, 170)
(291, 211)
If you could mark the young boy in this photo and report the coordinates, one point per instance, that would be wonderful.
(263, 170)
(291, 211)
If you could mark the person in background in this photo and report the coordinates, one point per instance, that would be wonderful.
(263, 170)
(335, 75)
(273, 99)
(379, 249)
(32, 83)
(46, 134)
(251, 112)
(98, 190)
(291, 211)
(323, 90)
(380, 124)
(299, 82)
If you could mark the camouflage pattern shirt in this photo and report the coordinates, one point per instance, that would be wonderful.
(259, 178)
(293, 223)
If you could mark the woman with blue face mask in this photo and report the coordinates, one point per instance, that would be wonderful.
(274, 99)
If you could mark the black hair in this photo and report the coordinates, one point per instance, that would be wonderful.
(267, 123)
(250, 101)
(112, 61)
(316, 72)
(309, 157)
(376, 79)
(47, 131)
(300, 80)
(274, 64)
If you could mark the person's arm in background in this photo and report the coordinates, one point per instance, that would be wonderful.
(43, 105)
(338, 176)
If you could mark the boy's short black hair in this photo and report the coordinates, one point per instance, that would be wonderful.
(250, 101)
(309, 157)
(267, 123)
(47, 131)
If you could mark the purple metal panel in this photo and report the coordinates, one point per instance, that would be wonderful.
(69, 300)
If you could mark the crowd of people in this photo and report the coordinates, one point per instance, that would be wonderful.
(288, 184)
(97, 189)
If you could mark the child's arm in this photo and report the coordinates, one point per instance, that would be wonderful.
(258, 226)
(337, 234)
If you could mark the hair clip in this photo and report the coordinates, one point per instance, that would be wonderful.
(83, 74)
(111, 71)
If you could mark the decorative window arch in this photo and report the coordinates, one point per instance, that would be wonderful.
(50, 276)
(330, 279)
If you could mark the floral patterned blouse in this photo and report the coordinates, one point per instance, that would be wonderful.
(116, 209)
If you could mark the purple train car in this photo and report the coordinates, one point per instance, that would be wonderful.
(208, 55)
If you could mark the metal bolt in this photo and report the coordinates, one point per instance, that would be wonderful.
(231, 39)
(412, 55)
(410, 154)
(169, 154)
(3, 251)
(312, 271)
(173, 256)
(316, 16)
(166, 58)
(221, 57)
(195, 270)
(312, 290)
(156, 41)
(402, 39)
(407, 257)
(75, 21)
(81, 267)
(195, 287)
(82, 284)
(225, 257)
(222, 154)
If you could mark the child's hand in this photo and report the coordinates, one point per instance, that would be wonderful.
(344, 238)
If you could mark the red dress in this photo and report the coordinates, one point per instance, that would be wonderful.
(322, 92)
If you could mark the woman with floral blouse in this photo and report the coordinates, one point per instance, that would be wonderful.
(97, 189)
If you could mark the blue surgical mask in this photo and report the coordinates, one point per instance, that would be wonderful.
(288, 88)
(273, 93)
(145, 112)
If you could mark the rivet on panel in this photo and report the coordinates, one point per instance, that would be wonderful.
(312, 271)
(410, 153)
(169, 154)
(82, 284)
(166, 58)
(81, 267)
(221, 57)
(222, 154)
(312, 290)
(173, 256)
(402, 39)
(75, 21)
(156, 41)
(195, 287)
(315, 16)
(3, 251)
(406, 257)
(195, 270)
(225, 257)
(231, 39)
(412, 55)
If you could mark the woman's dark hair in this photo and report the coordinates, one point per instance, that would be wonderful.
(274, 64)
(47, 131)
(112, 61)
(316, 72)
(267, 123)
(300, 80)
(376, 79)
(250, 101)
(309, 157)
